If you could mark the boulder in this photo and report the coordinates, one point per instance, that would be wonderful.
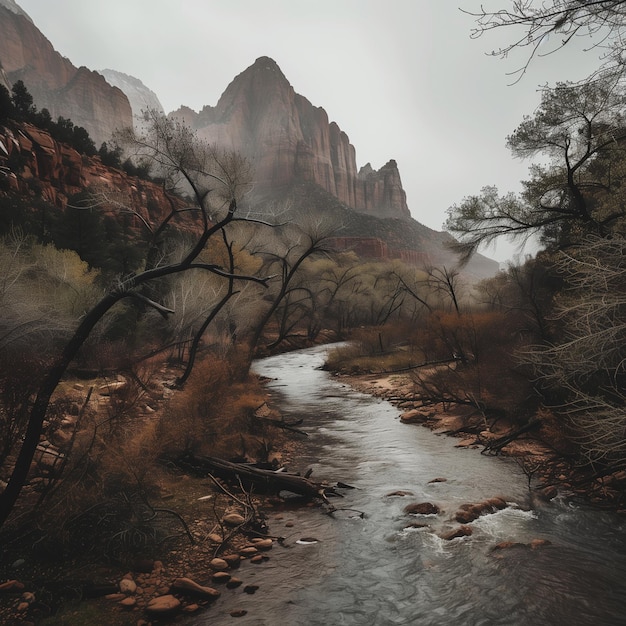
(128, 586)
(469, 512)
(219, 564)
(163, 605)
(186, 585)
(421, 508)
(461, 531)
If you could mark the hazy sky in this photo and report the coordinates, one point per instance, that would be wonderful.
(402, 78)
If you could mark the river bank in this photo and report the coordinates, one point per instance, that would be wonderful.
(263, 578)
(540, 452)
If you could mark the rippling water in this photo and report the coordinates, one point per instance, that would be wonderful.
(373, 571)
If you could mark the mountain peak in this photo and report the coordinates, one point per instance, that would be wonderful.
(14, 8)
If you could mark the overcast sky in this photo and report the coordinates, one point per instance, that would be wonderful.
(402, 78)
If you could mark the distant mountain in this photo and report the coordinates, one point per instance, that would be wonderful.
(79, 94)
(140, 97)
(288, 139)
(300, 158)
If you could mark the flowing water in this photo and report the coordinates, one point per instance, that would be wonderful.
(368, 569)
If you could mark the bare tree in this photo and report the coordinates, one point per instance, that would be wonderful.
(284, 260)
(543, 27)
(207, 174)
(582, 374)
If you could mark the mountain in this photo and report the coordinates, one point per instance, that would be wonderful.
(140, 97)
(300, 158)
(82, 95)
(288, 139)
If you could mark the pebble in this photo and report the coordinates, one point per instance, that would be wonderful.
(128, 602)
(233, 519)
(163, 604)
(219, 564)
(128, 586)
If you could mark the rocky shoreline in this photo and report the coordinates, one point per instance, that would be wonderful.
(189, 577)
(550, 467)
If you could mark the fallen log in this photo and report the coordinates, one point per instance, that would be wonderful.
(261, 479)
(496, 445)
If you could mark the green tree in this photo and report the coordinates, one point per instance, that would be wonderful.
(574, 127)
(22, 101)
(7, 110)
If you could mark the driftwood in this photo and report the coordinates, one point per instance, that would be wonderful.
(496, 445)
(260, 479)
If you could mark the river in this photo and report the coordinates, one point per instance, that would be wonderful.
(371, 570)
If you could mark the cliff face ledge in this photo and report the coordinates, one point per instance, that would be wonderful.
(79, 94)
(288, 139)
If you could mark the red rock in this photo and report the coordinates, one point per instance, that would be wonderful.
(422, 508)
(163, 605)
(191, 586)
(461, 531)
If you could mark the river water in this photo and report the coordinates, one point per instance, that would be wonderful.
(367, 568)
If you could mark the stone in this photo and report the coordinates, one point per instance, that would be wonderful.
(233, 583)
(127, 586)
(11, 586)
(128, 602)
(421, 508)
(539, 543)
(461, 531)
(162, 605)
(263, 544)
(238, 613)
(28, 596)
(115, 597)
(233, 519)
(215, 538)
(412, 417)
(187, 585)
(259, 558)
(221, 577)
(22, 607)
(249, 551)
(218, 564)
(505, 545)
(437, 480)
(399, 494)
(469, 512)
(191, 608)
(233, 560)
(250, 589)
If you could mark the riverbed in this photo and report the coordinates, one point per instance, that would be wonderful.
(368, 564)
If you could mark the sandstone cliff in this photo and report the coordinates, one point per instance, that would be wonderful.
(140, 97)
(56, 172)
(79, 94)
(288, 139)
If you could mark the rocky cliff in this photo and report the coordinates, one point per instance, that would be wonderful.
(288, 139)
(140, 97)
(55, 172)
(79, 94)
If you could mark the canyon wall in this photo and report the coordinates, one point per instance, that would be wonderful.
(289, 139)
(79, 94)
